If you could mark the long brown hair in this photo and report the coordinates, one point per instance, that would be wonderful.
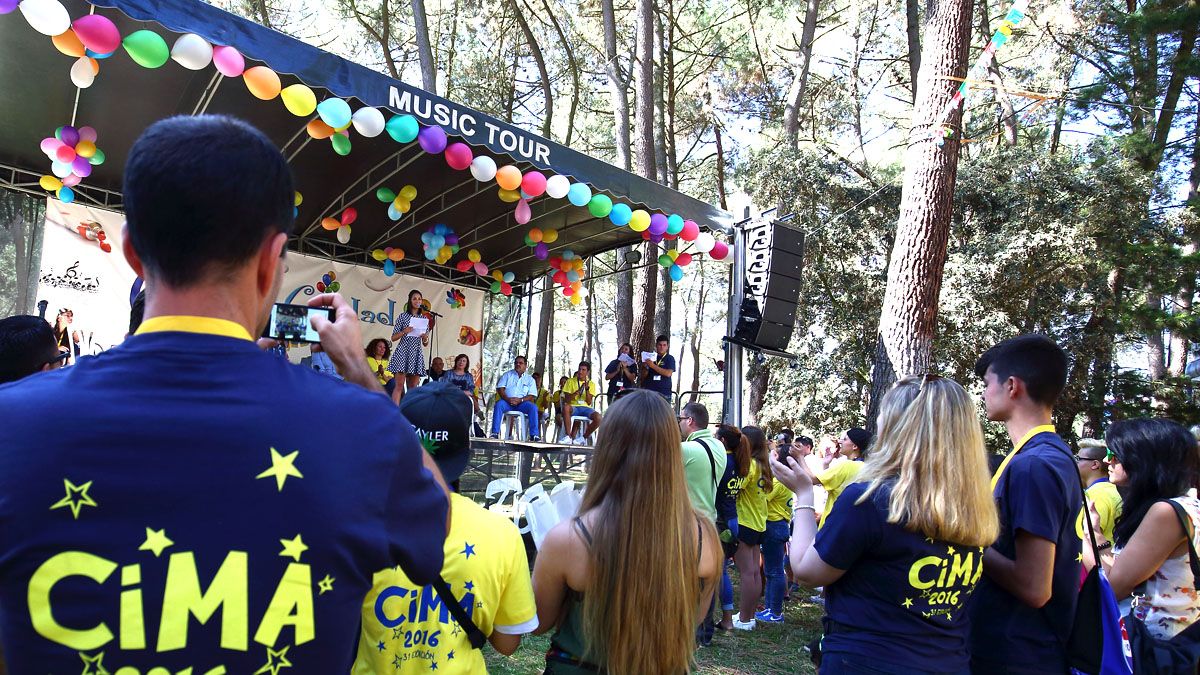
(738, 445)
(761, 452)
(639, 610)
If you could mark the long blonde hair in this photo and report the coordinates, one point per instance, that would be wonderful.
(639, 610)
(931, 444)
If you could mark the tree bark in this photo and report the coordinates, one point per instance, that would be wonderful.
(912, 14)
(642, 336)
(795, 99)
(662, 313)
(572, 65)
(618, 84)
(424, 50)
(918, 256)
(623, 304)
(697, 334)
(535, 51)
(1156, 351)
(1180, 341)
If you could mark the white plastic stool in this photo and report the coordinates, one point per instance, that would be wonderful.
(584, 431)
(518, 418)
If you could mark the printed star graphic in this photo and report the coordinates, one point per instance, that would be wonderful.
(156, 541)
(325, 584)
(455, 631)
(272, 666)
(76, 498)
(281, 467)
(907, 602)
(468, 550)
(380, 645)
(433, 666)
(396, 662)
(293, 547)
(397, 633)
(470, 585)
(89, 661)
(949, 550)
(1079, 558)
(450, 656)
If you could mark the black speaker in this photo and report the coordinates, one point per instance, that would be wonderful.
(774, 262)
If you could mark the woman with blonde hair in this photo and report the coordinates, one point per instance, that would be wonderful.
(902, 550)
(752, 527)
(625, 583)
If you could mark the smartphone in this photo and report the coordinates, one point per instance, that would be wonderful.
(293, 323)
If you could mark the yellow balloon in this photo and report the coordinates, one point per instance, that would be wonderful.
(498, 275)
(639, 221)
(408, 192)
(576, 298)
(379, 254)
(299, 100)
(445, 252)
(299, 199)
(473, 255)
(50, 183)
(85, 149)
(509, 196)
(549, 235)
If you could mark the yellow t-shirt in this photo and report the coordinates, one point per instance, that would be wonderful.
(374, 364)
(1108, 504)
(752, 501)
(779, 503)
(573, 392)
(834, 480)
(407, 630)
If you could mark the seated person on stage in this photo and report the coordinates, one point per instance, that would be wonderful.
(437, 370)
(543, 399)
(407, 627)
(579, 398)
(517, 391)
(657, 372)
(556, 402)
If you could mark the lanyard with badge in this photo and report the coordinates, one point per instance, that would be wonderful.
(1017, 448)
(658, 362)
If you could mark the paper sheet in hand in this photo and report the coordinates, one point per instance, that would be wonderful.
(419, 326)
(626, 359)
(648, 356)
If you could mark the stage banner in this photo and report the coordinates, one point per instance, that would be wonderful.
(378, 299)
(83, 278)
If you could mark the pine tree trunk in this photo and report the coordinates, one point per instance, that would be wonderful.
(1156, 351)
(618, 84)
(918, 257)
(795, 96)
(535, 50)
(545, 319)
(912, 15)
(424, 50)
(642, 332)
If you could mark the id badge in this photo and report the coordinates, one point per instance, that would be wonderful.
(657, 378)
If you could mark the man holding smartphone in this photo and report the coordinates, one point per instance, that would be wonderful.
(199, 476)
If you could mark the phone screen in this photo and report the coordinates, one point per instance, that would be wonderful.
(293, 323)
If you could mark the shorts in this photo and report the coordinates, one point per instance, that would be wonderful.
(582, 410)
(749, 536)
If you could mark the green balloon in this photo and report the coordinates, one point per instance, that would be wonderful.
(98, 158)
(665, 260)
(403, 128)
(341, 144)
(454, 248)
(529, 242)
(385, 195)
(147, 48)
(495, 286)
(600, 206)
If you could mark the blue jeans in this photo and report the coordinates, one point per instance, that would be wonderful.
(527, 407)
(772, 553)
(726, 584)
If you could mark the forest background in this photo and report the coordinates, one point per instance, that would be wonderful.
(1075, 209)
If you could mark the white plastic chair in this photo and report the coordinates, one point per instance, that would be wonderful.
(515, 417)
(585, 428)
(504, 487)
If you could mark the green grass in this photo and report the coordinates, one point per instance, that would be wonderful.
(768, 650)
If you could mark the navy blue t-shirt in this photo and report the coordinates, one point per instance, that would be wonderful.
(728, 489)
(188, 503)
(1038, 492)
(656, 382)
(902, 600)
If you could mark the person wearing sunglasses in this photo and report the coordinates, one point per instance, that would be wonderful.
(1102, 495)
(27, 346)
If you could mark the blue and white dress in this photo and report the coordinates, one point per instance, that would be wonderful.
(408, 356)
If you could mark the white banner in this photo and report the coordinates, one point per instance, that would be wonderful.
(84, 276)
(378, 299)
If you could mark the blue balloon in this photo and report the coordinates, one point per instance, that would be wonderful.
(295, 212)
(579, 194)
(98, 57)
(620, 215)
(403, 128)
(676, 272)
(674, 223)
(437, 241)
(572, 276)
(393, 213)
(389, 267)
(66, 195)
(325, 278)
(335, 112)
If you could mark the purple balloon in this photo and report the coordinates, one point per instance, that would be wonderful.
(432, 139)
(658, 224)
(7, 6)
(69, 136)
(81, 167)
(451, 239)
(541, 251)
(656, 238)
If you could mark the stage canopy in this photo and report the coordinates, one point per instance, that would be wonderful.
(138, 85)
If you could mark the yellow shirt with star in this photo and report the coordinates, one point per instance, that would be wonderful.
(407, 630)
(1108, 505)
(834, 480)
(574, 392)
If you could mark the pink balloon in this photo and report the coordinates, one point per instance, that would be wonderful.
(534, 184)
(229, 61)
(719, 251)
(71, 180)
(690, 231)
(98, 33)
(65, 154)
(481, 269)
(459, 156)
(50, 146)
(523, 214)
(81, 167)
(87, 134)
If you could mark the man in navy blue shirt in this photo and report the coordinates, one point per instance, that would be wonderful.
(186, 502)
(657, 372)
(1024, 607)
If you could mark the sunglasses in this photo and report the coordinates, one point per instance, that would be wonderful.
(1080, 458)
(1110, 457)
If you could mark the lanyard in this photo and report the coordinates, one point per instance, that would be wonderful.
(1017, 448)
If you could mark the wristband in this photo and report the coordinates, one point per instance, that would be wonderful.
(802, 507)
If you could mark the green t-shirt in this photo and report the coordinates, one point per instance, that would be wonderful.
(704, 464)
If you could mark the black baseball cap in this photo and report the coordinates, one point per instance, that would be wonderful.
(441, 415)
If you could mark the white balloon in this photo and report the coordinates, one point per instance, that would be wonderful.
(82, 75)
(483, 168)
(558, 186)
(368, 122)
(47, 17)
(705, 242)
(192, 52)
(60, 169)
(343, 234)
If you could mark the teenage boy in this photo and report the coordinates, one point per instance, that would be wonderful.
(407, 628)
(579, 398)
(1024, 606)
(657, 372)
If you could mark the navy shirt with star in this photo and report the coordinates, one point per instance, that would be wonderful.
(1038, 492)
(902, 600)
(187, 501)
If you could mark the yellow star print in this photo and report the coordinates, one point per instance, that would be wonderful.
(97, 661)
(950, 550)
(156, 541)
(907, 602)
(325, 584)
(281, 467)
(272, 666)
(293, 547)
(76, 498)
(1079, 558)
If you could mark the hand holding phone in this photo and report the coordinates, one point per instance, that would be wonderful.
(341, 338)
(294, 323)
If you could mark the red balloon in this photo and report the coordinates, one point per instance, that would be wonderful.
(684, 259)
(719, 251)
(349, 215)
(505, 288)
(459, 156)
(534, 183)
(65, 154)
(560, 277)
(463, 265)
(690, 231)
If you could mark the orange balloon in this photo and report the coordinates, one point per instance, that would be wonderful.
(397, 254)
(319, 130)
(331, 223)
(68, 43)
(262, 82)
(508, 177)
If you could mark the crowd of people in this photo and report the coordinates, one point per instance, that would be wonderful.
(263, 516)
